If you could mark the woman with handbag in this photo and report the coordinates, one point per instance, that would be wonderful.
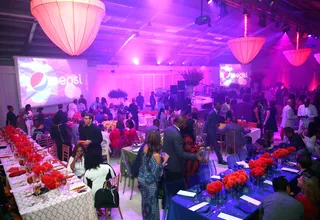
(149, 176)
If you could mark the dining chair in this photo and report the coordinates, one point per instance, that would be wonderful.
(230, 140)
(128, 173)
(220, 141)
(115, 183)
(170, 190)
(65, 154)
(53, 150)
(242, 154)
(232, 161)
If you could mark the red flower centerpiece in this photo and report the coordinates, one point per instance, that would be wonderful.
(214, 187)
(257, 172)
(291, 149)
(238, 178)
(35, 158)
(280, 153)
(52, 180)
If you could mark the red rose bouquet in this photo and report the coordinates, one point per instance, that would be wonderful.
(257, 172)
(214, 187)
(265, 155)
(239, 177)
(35, 158)
(280, 153)
(41, 169)
(291, 149)
(52, 180)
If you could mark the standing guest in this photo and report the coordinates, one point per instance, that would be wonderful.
(210, 127)
(187, 105)
(126, 102)
(162, 119)
(28, 118)
(288, 117)
(225, 108)
(306, 113)
(75, 130)
(84, 101)
(131, 134)
(280, 205)
(40, 116)
(309, 196)
(81, 106)
(140, 101)
(11, 117)
(152, 101)
(90, 136)
(76, 161)
(152, 128)
(256, 117)
(59, 132)
(160, 104)
(72, 108)
(134, 110)
(116, 136)
(96, 172)
(99, 115)
(270, 122)
(61, 114)
(294, 139)
(171, 119)
(173, 146)
(95, 105)
(172, 102)
(310, 138)
(149, 177)
(104, 103)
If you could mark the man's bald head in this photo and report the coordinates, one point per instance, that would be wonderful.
(180, 121)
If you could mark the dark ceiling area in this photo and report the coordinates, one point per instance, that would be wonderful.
(165, 30)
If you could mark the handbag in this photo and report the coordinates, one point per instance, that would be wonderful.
(107, 197)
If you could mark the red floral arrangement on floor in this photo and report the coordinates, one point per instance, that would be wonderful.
(280, 153)
(214, 187)
(239, 177)
(257, 172)
(52, 180)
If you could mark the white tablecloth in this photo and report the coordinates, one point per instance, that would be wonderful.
(255, 134)
(145, 120)
(51, 205)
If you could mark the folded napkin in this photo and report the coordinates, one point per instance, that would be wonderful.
(243, 163)
(290, 170)
(268, 182)
(227, 217)
(77, 186)
(18, 173)
(198, 206)
(13, 169)
(58, 168)
(186, 193)
(5, 155)
(215, 177)
(292, 163)
(251, 200)
(136, 150)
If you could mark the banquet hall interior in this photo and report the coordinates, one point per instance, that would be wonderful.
(171, 109)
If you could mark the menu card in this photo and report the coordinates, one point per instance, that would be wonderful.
(227, 217)
(251, 200)
(186, 193)
(268, 182)
(198, 206)
(290, 170)
(215, 177)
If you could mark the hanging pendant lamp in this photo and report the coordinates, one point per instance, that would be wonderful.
(298, 56)
(317, 56)
(70, 24)
(245, 49)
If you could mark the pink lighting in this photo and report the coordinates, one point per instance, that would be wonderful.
(317, 56)
(210, 1)
(70, 24)
(158, 62)
(135, 61)
(298, 56)
(245, 49)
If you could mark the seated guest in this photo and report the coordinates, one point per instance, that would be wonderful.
(310, 138)
(309, 196)
(304, 164)
(280, 205)
(99, 115)
(266, 142)
(11, 117)
(294, 139)
(40, 116)
(81, 106)
(38, 131)
(116, 138)
(61, 114)
(131, 134)
(162, 118)
(72, 108)
(149, 176)
(137, 163)
(76, 161)
(225, 108)
(97, 172)
(239, 132)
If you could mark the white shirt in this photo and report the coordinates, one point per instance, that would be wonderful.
(288, 117)
(98, 176)
(310, 141)
(73, 108)
(79, 169)
(310, 111)
(224, 109)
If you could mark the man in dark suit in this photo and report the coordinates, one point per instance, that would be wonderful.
(210, 127)
(294, 139)
(152, 101)
(61, 114)
(173, 146)
(239, 132)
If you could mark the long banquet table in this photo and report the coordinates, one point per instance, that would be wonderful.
(227, 203)
(52, 205)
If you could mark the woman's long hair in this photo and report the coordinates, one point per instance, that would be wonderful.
(159, 114)
(188, 130)
(311, 188)
(154, 145)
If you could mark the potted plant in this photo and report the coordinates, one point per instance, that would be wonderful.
(192, 78)
(117, 94)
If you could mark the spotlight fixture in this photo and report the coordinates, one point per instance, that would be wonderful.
(246, 12)
(286, 28)
(309, 35)
(263, 20)
(158, 63)
(209, 1)
(272, 3)
(169, 63)
(135, 61)
(182, 63)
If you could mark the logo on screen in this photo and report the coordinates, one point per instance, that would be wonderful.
(39, 81)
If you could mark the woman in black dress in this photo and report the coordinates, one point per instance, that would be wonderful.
(270, 122)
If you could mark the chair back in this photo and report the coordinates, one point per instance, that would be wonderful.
(126, 163)
(232, 161)
(65, 152)
(115, 181)
(242, 154)
(53, 150)
(41, 140)
(231, 138)
(49, 141)
(252, 125)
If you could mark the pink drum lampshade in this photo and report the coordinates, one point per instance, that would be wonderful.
(245, 49)
(71, 24)
(317, 56)
(297, 57)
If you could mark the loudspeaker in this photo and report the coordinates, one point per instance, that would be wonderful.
(180, 99)
(246, 98)
(173, 89)
(181, 85)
